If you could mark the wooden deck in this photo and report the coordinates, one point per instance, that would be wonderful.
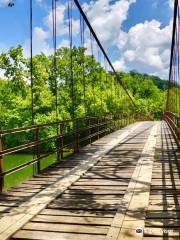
(121, 183)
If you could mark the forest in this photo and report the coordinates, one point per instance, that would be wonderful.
(95, 90)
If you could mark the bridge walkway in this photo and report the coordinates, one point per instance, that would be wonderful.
(124, 181)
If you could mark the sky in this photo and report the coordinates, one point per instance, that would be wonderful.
(136, 34)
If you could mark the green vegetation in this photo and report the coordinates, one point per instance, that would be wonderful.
(149, 92)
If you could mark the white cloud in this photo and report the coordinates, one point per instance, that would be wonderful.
(171, 3)
(147, 47)
(107, 18)
(129, 55)
(121, 39)
(60, 21)
(39, 43)
(119, 65)
(4, 3)
(64, 43)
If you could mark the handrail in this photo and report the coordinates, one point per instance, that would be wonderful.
(72, 134)
(31, 127)
(173, 122)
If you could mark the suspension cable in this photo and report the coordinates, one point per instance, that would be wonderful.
(31, 63)
(54, 21)
(82, 28)
(71, 56)
(100, 72)
(92, 61)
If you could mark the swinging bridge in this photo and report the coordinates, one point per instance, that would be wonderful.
(115, 175)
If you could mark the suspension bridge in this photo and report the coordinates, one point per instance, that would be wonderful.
(115, 176)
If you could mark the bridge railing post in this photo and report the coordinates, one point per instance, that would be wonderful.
(98, 129)
(61, 139)
(37, 150)
(76, 134)
(89, 130)
(1, 165)
(178, 125)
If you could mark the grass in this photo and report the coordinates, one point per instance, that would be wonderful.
(13, 160)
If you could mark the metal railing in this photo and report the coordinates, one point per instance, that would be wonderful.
(57, 137)
(173, 122)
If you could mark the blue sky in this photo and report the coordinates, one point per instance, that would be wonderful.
(135, 33)
(144, 10)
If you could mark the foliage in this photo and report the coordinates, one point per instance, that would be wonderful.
(149, 92)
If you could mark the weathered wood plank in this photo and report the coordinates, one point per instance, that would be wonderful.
(67, 228)
(162, 214)
(44, 235)
(81, 213)
(73, 220)
(95, 191)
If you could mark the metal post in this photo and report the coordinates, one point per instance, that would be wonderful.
(1, 165)
(98, 128)
(62, 138)
(38, 148)
(89, 130)
(76, 134)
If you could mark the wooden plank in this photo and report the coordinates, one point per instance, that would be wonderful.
(166, 182)
(122, 176)
(163, 214)
(81, 213)
(68, 228)
(164, 223)
(90, 182)
(44, 235)
(89, 196)
(4, 209)
(164, 197)
(73, 220)
(170, 207)
(24, 191)
(81, 201)
(101, 187)
(165, 187)
(9, 204)
(20, 194)
(85, 205)
(164, 201)
(166, 192)
(96, 192)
